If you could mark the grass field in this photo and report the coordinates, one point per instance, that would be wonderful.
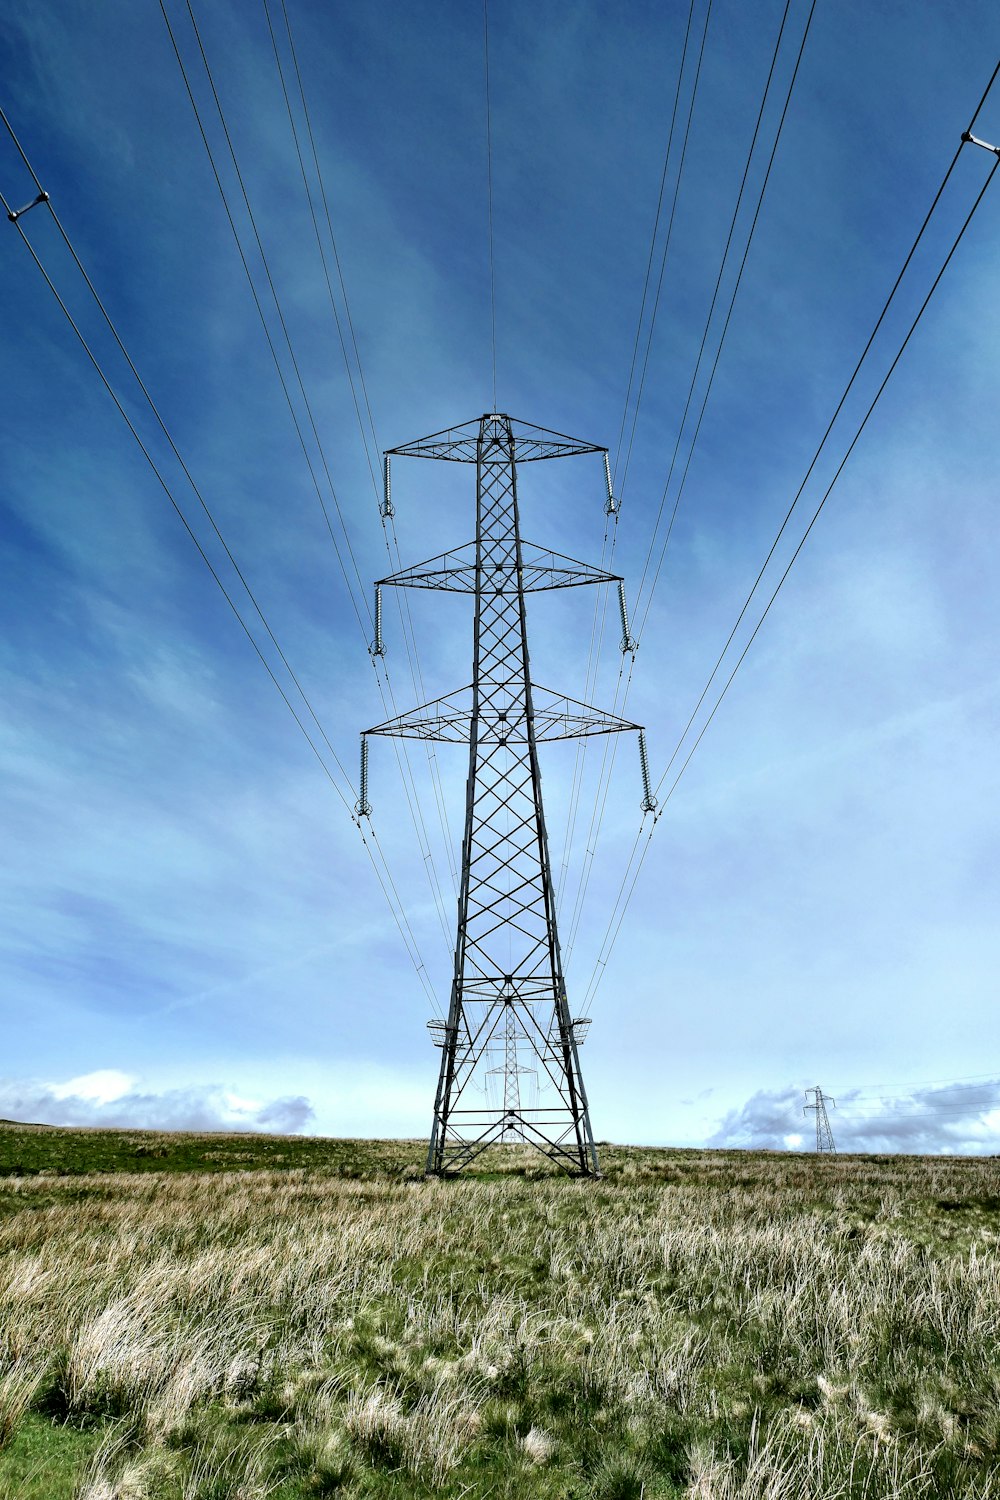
(231, 1317)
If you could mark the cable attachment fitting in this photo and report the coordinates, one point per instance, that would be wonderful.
(386, 509)
(16, 213)
(611, 504)
(377, 647)
(628, 642)
(648, 800)
(973, 140)
(363, 807)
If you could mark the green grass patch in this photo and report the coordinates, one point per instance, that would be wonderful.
(45, 1460)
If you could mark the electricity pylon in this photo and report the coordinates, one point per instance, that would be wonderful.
(824, 1135)
(508, 989)
(512, 1072)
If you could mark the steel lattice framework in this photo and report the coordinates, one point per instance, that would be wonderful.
(508, 995)
(824, 1134)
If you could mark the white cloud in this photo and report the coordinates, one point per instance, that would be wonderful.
(241, 1105)
(97, 1099)
(102, 1087)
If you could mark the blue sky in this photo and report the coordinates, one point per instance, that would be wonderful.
(192, 932)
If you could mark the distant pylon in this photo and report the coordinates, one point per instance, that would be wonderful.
(511, 1072)
(824, 1135)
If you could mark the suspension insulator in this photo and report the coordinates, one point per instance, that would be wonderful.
(628, 642)
(386, 510)
(377, 647)
(363, 807)
(611, 504)
(648, 800)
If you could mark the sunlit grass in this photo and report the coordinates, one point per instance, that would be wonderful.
(711, 1325)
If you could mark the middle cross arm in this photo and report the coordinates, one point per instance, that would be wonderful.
(541, 568)
(449, 719)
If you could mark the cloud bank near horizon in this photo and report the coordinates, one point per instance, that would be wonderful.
(946, 1119)
(114, 1100)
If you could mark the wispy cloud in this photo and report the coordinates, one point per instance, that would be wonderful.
(114, 1100)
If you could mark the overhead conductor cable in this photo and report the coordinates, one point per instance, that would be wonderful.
(618, 916)
(399, 915)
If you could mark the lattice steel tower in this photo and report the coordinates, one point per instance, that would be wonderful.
(824, 1134)
(508, 995)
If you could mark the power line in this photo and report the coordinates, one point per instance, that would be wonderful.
(873, 1089)
(170, 441)
(320, 246)
(652, 240)
(617, 917)
(489, 183)
(618, 910)
(412, 796)
(260, 310)
(871, 1123)
(722, 266)
(729, 313)
(181, 515)
(827, 492)
(398, 910)
(604, 778)
(173, 447)
(284, 326)
(830, 426)
(329, 220)
(580, 756)
(666, 250)
(610, 753)
(387, 521)
(611, 524)
(863, 1109)
(673, 787)
(614, 925)
(401, 755)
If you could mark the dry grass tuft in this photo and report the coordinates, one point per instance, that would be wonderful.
(539, 1445)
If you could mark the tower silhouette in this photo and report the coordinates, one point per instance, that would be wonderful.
(824, 1135)
(508, 992)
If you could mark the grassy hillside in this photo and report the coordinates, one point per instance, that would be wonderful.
(203, 1317)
